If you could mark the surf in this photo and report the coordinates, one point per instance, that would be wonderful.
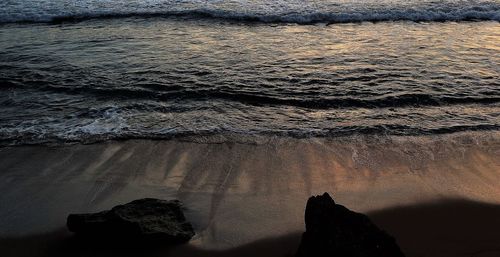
(292, 11)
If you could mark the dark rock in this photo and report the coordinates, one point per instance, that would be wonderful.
(149, 219)
(332, 230)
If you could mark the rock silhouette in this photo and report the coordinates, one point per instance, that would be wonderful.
(333, 230)
(149, 219)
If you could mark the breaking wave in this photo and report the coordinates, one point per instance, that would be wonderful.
(291, 11)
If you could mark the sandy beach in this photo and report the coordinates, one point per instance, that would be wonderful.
(438, 195)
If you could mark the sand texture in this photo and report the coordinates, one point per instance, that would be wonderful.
(438, 195)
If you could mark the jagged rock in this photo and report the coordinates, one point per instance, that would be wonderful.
(332, 230)
(150, 219)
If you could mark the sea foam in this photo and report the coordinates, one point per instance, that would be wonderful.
(289, 11)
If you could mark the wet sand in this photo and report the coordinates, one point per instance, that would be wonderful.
(438, 195)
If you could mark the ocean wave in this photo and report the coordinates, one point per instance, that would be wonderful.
(325, 102)
(96, 132)
(305, 12)
(310, 18)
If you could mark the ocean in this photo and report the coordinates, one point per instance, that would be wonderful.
(88, 71)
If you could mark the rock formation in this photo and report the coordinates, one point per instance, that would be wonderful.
(149, 219)
(332, 230)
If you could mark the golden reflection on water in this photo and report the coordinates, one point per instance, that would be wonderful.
(405, 40)
(399, 77)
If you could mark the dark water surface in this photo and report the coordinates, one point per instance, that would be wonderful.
(160, 77)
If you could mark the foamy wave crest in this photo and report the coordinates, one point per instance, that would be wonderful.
(283, 11)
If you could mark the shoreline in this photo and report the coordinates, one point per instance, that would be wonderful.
(238, 194)
(480, 136)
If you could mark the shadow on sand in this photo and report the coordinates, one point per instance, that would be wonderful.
(445, 228)
(453, 227)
